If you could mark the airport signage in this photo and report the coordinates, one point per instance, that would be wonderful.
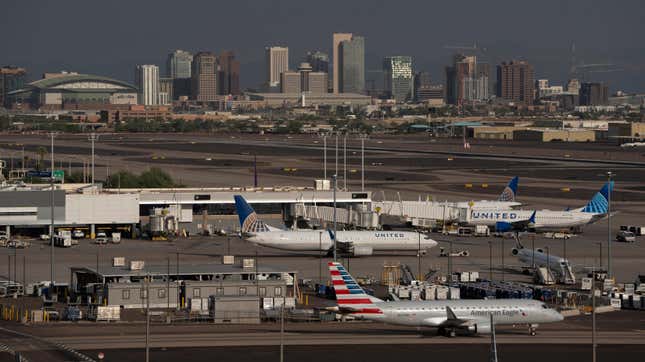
(202, 197)
(359, 195)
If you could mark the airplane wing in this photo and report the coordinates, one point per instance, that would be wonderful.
(451, 321)
(520, 225)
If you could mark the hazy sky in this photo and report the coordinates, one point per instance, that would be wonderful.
(111, 37)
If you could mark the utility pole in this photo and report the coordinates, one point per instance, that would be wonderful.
(609, 239)
(93, 137)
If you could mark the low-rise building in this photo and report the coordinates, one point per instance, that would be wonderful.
(554, 135)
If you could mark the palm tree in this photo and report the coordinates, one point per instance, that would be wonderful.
(41, 157)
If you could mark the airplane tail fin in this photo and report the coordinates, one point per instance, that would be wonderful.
(249, 221)
(349, 295)
(510, 190)
(599, 204)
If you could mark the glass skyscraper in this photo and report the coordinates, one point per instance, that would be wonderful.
(399, 80)
(352, 65)
(178, 65)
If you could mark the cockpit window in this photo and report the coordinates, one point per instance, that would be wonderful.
(544, 307)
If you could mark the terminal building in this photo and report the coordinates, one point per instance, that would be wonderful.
(26, 209)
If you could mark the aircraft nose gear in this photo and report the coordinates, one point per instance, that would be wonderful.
(532, 330)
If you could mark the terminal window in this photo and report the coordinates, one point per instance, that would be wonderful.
(125, 294)
(277, 291)
(161, 293)
(197, 293)
(262, 291)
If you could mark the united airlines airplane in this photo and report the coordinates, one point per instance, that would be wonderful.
(356, 243)
(448, 316)
(543, 220)
(506, 199)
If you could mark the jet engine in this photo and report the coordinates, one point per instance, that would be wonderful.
(540, 250)
(515, 251)
(481, 328)
(362, 251)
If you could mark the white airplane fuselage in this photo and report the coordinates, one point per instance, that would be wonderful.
(544, 219)
(433, 313)
(320, 240)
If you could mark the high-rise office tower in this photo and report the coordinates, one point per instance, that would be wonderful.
(466, 80)
(594, 94)
(204, 77)
(337, 39)
(351, 65)
(165, 90)
(178, 64)
(515, 82)
(277, 62)
(399, 82)
(179, 69)
(573, 86)
(11, 78)
(146, 78)
(228, 80)
(319, 61)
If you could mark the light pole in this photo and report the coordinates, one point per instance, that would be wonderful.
(609, 176)
(93, 137)
(336, 169)
(593, 315)
(345, 161)
(324, 156)
(51, 228)
(334, 180)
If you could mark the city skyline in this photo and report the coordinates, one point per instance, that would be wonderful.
(610, 37)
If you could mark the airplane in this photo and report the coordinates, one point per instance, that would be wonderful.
(545, 220)
(471, 316)
(354, 243)
(506, 199)
(539, 258)
(633, 144)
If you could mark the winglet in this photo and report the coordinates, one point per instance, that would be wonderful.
(450, 314)
(331, 234)
(532, 218)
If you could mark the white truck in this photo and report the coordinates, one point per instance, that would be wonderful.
(62, 241)
(116, 238)
(482, 230)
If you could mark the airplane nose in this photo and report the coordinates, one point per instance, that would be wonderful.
(558, 316)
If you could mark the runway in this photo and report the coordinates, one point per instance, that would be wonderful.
(296, 338)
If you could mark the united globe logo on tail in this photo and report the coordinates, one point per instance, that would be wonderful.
(509, 191)
(249, 221)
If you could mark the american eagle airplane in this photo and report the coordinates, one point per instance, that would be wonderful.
(471, 316)
(543, 220)
(356, 243)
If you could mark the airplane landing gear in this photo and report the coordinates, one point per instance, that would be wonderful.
(449, 332)
(532, 330)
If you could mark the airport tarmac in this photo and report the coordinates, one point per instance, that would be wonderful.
(618, 332)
